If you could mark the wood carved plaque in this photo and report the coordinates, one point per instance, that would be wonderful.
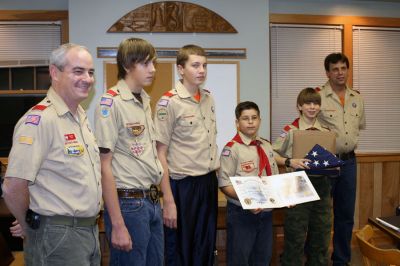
(172, 16)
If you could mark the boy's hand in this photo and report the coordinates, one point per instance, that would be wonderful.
(299, 163)
(256, 211)
(169, 214)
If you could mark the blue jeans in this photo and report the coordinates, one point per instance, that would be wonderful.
(249, 237)
(143, 219)
(344, 198)
(61, 245)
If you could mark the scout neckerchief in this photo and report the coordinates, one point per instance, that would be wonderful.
(263, 159)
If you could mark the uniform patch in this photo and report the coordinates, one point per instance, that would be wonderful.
(33, 119)
(226, 152)
(74, 150)
(135, 128)
(106, 101)
(69, 137)
(248, 166)
(137, 149)
(162, 114)
(39, 107)
(283, 134)
(25, 140)
(105, 111)
(163, 102)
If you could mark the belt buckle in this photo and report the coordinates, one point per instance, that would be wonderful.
(153, 194)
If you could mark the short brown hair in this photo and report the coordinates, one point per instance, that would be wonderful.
(185, 51)
(308, 95)
(132, 51)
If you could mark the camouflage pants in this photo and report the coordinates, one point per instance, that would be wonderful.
(309, 222)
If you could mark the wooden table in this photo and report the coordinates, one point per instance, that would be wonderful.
(392, 233)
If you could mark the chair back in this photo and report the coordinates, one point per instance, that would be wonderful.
(373, 255)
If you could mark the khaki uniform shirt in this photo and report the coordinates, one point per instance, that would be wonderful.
(284, 143)
(124, 125)
(57, 153)
(345, 121)
(242, 160)
(188, 128)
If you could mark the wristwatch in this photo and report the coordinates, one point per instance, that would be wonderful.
(287, 162)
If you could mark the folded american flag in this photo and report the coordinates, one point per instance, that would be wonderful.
(322, 162)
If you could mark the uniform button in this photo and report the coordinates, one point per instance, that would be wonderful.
(344, 112)
(210, 145)
(330, 115)
(211, 159)
(190, 122)
(208, 131)
(160, 173)
(204, 117)
(345, 122)
(346, 143)
(87, 145)
(347, 133)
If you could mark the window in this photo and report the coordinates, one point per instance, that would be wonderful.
(297, 61)
(376, 74)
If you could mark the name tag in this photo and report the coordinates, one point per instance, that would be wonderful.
(74, 149)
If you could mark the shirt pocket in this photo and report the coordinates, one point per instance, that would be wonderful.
(186, 125)
(330, 115)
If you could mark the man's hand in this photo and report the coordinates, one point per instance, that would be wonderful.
(16, 230)
(256, 211)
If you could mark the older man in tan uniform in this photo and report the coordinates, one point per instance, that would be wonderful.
(52, 183)
(342, 111)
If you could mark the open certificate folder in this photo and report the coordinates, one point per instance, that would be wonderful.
(274, 191)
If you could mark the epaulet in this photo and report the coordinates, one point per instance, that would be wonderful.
(111, 92)
(357, 91)
(169, 94)
(230, 144)
(265, 140)
(317, 89)
(327, 128)
(296, 123)
(207, 91)
(39, 107)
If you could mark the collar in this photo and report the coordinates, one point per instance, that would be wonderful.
(60, 106)
(126, 93)
(329, 90)
(246, 140)
(304, 126)
(184, 93)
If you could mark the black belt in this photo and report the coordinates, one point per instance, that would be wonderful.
(346, 156)
(70, 220)
(152, 194)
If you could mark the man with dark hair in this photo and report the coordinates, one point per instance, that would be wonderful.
(342, 111)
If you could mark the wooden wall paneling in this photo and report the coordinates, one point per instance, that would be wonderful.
(366, 200)
(377, 208)
(390, 187)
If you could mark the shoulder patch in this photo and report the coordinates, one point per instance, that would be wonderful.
(39, 107)
(111, 92)
(296, 123)
(169, 94)
(163, 102)
(229, 144)
(33, 120)
(106, 101)
(287, 128)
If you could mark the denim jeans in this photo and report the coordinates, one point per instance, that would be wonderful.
(59, 245)
(143, 219)
(249, 237)
(344, 198)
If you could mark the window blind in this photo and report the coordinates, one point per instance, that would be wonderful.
(297, 61)
(28, 43)
(376, 74)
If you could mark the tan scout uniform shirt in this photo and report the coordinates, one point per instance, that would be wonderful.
(243, 160)
(284, 143)
(344, 121)
(188, 128)
(57, 153)
(124, 125)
